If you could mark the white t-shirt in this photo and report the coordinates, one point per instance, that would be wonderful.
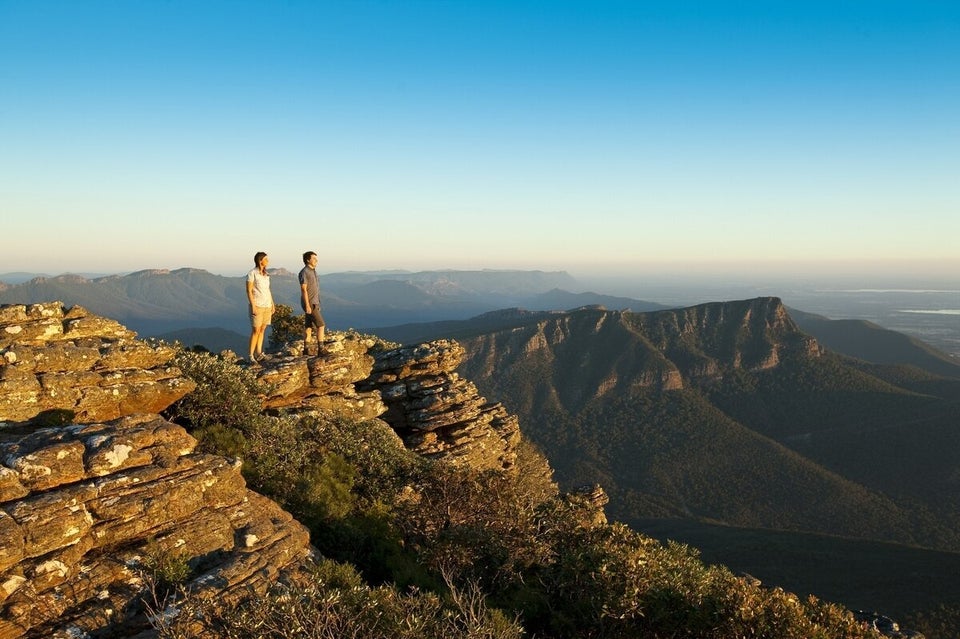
(261, 288)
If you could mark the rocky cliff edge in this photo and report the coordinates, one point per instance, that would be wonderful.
(87, 505)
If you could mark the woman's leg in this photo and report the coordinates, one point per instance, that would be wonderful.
(262, 331)
(254, 340)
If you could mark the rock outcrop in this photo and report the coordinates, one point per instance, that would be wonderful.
(327, 381)
(52, 358)
(87, 510)
(439, 414)
(415, 390)
(89, 507)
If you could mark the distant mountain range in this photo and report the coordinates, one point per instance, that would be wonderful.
(153, 302)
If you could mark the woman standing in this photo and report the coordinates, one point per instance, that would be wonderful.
(261, 303)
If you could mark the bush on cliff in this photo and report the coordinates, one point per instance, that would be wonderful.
(286, 325)
(336, 603)
(227, 395)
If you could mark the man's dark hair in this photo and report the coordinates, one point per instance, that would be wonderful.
(307, 256)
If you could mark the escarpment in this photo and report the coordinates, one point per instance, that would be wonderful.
(707, 339)
(95, 484)
(589, 353)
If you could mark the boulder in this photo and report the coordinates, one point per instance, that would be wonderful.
(85, 506)
(71, 360)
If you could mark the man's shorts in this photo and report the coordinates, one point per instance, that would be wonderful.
(260, 316)
(314, 319)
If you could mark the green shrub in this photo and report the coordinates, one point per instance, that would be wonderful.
(166, 567)
(384, 466)
(227, 394)
(476, 526)
(221, 440)
(334, 604)
(286, 326)
(324, 490)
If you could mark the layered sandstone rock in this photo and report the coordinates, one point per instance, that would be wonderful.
(439, 414)
(55, 358)
(414, 389)
(84, 507)
(327, 381)
(87, 508)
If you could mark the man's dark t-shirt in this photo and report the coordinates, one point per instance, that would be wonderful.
(308, 276)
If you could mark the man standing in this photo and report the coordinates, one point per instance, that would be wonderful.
(310, 301)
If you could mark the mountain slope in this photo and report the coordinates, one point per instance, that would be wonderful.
(905, 582)
(872, 343)
(726, 412)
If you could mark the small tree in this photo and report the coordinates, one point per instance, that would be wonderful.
(285, 327)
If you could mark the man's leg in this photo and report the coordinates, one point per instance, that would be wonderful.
(308, 323)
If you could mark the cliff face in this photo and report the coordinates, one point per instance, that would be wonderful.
(416, 390)
(704, 340)
(591, 353)
(86, 506)
(439, 414)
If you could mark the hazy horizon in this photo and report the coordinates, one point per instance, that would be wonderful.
(908, 274)
(592, 137)
(926, 307)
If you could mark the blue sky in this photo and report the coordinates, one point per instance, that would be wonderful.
(587, 136)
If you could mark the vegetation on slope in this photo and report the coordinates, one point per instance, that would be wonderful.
(916, 586)
(872, 343)
(487, 554)
(844, 418)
